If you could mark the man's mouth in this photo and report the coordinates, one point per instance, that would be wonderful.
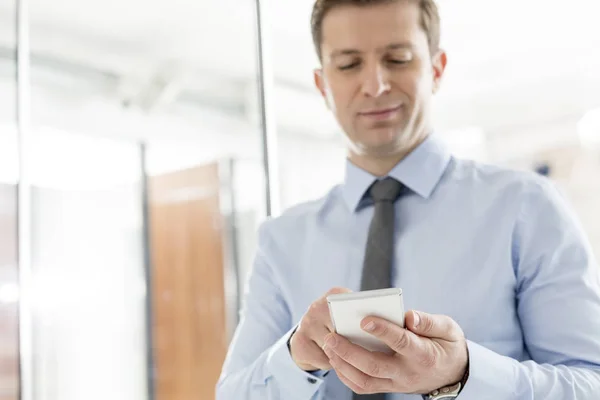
(380, 114)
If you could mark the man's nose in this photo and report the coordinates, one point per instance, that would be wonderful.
(375, 80)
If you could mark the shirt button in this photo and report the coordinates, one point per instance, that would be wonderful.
(312, 380)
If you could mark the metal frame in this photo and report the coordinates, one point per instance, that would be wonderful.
(229, 218)
(265, 92)
(24, 205)
(146, 243)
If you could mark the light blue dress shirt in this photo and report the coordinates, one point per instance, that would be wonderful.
(499, 251)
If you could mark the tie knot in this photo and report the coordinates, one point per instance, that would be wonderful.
(387, 189)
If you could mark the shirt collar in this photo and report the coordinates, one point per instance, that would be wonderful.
(420, 171)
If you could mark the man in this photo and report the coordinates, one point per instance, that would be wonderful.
(501, 284)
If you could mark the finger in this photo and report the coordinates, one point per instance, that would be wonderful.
(309, 352)
(355, 379)
(319, 310)
(319, 335)
(401, 340)
(375, 364)
(315, 326)
(433, 326)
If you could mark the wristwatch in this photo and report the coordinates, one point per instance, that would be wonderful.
(448, 392)
(445, 393)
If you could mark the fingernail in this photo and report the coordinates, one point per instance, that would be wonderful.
(417, 319)
(370, 326)
(330, 342)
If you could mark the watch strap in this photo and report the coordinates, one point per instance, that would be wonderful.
(445, 393)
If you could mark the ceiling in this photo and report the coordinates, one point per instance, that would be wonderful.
(517, 68)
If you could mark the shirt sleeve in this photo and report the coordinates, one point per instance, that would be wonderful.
(258, 365)
(558, 303)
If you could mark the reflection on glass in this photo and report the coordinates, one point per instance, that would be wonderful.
(9, 280)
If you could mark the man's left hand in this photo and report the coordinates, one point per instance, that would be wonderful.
(430, 353)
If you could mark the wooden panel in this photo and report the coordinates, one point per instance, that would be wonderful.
(188, 287)
(9, 317)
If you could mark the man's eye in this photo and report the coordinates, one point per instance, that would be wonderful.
(348, 66)
(399, 62)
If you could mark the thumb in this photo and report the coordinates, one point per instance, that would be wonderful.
(433, 326)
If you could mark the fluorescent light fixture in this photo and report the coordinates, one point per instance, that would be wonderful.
(588, 129)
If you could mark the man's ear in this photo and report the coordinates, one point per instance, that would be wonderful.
(438, 62)
(320, 84)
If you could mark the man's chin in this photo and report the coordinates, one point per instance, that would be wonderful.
(384, 140)
(387, 149)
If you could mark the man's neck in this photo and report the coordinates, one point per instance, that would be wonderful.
(381, 166)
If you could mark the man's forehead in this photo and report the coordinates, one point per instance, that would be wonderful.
(381, 14)
(356, 27)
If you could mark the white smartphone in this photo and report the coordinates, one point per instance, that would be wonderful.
(349, 309)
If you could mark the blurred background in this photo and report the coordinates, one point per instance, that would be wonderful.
(150, 144)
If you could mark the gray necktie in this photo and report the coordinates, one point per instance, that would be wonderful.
(379, 252)
(377, 265)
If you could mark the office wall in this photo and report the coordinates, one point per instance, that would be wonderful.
(88, 309)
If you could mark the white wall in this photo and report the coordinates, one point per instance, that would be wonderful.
(309, 168)
(87, 256)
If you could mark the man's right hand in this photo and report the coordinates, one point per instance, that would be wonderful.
(306, 344)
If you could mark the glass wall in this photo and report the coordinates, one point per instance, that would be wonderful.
(206, 185)
(138, 291)
(9, 284)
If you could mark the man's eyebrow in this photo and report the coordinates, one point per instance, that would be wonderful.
(344, 52)
(401, 45)
(392, 46)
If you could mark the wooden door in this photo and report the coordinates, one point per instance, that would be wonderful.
(189, 328)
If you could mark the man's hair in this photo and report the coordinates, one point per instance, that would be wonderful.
(430, 19)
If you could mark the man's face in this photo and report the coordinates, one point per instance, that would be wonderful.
(378, 75)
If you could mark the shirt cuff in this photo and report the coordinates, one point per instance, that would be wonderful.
(292, 380)
(320, 373)
(491, 375)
